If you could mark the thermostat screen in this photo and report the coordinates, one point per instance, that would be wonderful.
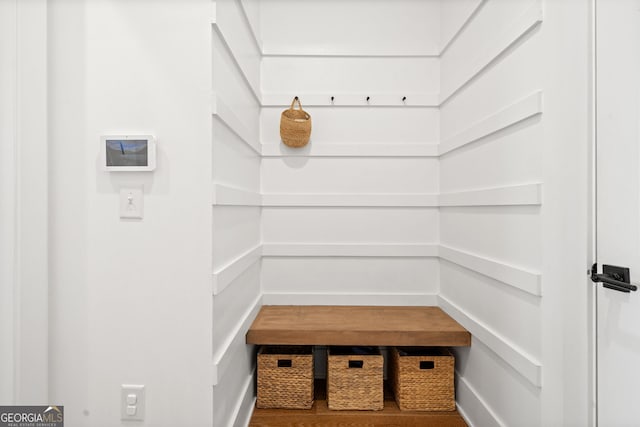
(127, 152)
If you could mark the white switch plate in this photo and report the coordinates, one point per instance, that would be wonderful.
(126, 408)
(131, 205)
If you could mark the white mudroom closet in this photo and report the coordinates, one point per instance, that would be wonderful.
(449, 151)
(449, 165)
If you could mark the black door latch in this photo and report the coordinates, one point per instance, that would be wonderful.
(613, 277)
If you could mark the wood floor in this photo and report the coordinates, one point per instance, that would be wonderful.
(321, 416)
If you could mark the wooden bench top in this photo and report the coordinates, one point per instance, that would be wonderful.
(356, 325)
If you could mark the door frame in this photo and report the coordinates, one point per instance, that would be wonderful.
(593, 253)
(593, 219)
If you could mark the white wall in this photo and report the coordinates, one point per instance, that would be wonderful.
(236, 217)
(131, 299)
(354, 27)
(69, 330)
(31, 232)
(508, 124)
(351, 213)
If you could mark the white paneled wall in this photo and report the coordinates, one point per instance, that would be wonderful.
(356, 27)
(382, 125)
(496, 277)
(386, 132)
(491, 124)
(236, 212)
(346, 74)
(488, 394)
(361, 280)
(361, 175)
(437, 198)
(352, 218)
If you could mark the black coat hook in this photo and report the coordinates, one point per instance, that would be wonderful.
(332, 98)
(404, 98)
(368, 98)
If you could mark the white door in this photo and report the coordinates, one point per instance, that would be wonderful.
(618, 208)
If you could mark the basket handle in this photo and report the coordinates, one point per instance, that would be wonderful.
(426, 364)
(284, 363)
(358, 364)
(293, 103)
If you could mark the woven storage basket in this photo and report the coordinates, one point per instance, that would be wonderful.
(422, 378)
(295, 126)
(355, 378)
(285, 377)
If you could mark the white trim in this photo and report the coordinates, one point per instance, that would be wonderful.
(516, 195)
(415, 99)
(8, 199)
(515, 113)
(527, 281)
(245, 78)
(242, 412)
(254, 34)
(231, 196)
(592, 254)
(31, 314)
(320, 53)
(369, 200)
(226, 274)
(523, 363)
(463, 27)
(353, 150)
(223, 357)
(226, 115)
(349, 298)
(464, 385)
(214, 11)
(350, 249)
(528, 21)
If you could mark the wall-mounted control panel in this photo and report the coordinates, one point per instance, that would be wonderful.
(128, 153)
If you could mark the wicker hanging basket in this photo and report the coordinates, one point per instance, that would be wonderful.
(295, 126)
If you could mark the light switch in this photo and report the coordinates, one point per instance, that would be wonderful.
(131, 203)
(132, 399)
